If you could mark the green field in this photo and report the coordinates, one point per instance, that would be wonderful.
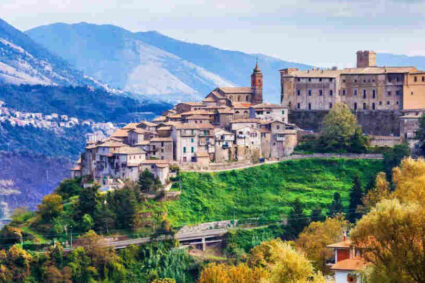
(266, 191)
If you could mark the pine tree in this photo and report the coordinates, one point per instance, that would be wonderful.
(297, 220)
(336, 205)
(356, 195)
(316, 215)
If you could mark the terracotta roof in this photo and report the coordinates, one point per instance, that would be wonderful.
(350, 264)
(91, 146)
(209, 99)
(129, 150)
(160, 119)
(139, 131)
(175, 116)
(147, 123)
(222, 131)
(217, 94)
(197, 117)
(192, 103)
(317, 73)
(241, 90)
(343, 244)
(161, 140)
(241, 105)
(225, 111)
(164, 128)
(130, 126)
(110, 143)
(196, 112)
(76, 168)
(194, 126)
(143, 143)
(120, 133)
(161, 165)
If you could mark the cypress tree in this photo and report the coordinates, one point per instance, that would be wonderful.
(356, 194)
(297, 220)
(336, 205)
(316, 215)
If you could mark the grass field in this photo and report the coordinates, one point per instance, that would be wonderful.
(266, 191)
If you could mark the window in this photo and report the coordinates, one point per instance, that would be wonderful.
(192, 149)
(162, 144)
(309, 92)
(162, 150)
(298, 79)
(298, 92)
(192, 140)
(184, 149)
(374, 93)
(415, 79)
(398, 92)
(397, 102)
(320, 79)
(320, 92)
(355, 91)
(193, 132)
(283, 112)
(309, 79)
(364, 93)
(298, 106)
(277, 127)
(388, 103)
(330, 105)
(373, 106)
(331, 92)
(364, 106)
(355, 105)
(330, 79)
(389, 93)
(343, 80)
(309, 106)
(205, 132)
(380, 102)
(364, 81)
(355, 81)
(423, 78)
(343, 92)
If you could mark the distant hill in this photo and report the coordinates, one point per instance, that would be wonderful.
(387, 59)
(154, 64)
(22, 61)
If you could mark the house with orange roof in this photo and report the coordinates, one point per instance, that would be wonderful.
(348, 263)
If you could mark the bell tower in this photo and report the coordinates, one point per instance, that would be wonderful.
(257, 85)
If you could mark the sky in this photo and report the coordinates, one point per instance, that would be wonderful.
(318, 32)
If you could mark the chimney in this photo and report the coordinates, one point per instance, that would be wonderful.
(366, 59)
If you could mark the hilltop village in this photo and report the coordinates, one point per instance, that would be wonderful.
(235, 125)
(230, 124)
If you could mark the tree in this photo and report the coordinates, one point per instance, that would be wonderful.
(50, 207)
(409, 181)
(284, 263)
(338, 128)
(316, 215)
(223, 273)
(356, 194)
(393, 157)
(297, 219)
(336, 206)
(148, 182)
(316, 236)
(380, 192)
(391, 236)
(420, 134)
(87, 201)
(69, 187)
(359, 142)
(123, 205)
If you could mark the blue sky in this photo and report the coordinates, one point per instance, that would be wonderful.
(320, 32)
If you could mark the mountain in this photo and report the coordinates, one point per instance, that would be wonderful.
(149, 63)
(22, 61)
(387, 59)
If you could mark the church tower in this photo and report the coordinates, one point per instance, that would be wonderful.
(257, 85)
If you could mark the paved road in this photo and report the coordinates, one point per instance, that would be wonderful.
(295, 157)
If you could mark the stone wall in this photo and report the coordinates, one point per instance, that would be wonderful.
(378, 122)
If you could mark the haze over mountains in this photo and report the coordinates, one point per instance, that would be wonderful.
(154, 64)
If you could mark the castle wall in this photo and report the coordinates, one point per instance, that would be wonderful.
(378, 122)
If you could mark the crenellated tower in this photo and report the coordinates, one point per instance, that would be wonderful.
(257, 85)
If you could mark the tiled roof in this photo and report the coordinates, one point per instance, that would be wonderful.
(202, 154)
(217, 94)
(354, 264)
(342, 244)
(76, 168)
(317, 73)
(129, 150)
(160, 119)
(130, 126)
(161, 140)
(209, 99)
(225, 111)
(140, 131)
(111, 143)
(196, 112)
(164, 128)
(241, 105)
(147, 123)
(154, 161)
(193, 126)
(192, 103)
(120, 133)
(241, 90)
(257, 121)
(197, 117)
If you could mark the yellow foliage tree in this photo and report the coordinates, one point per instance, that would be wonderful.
(223, 273)
(380, 192)
(316, 236)
(409, 179)
(284, 263)
(392, 237)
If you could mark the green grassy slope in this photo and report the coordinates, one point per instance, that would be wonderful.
(266, 191)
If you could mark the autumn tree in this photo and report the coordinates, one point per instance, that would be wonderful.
(50, 207)
(380, 192)
(316, 236)
(409, 181)
(392, 237)
(356, 194)
(224, 273)
(284, 263)
(393, 157)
